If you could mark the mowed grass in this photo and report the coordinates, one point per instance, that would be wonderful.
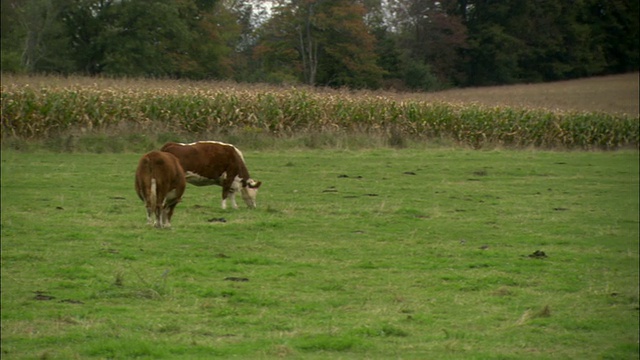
(367, 254)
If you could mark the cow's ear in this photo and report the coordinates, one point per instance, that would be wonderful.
(255, 185)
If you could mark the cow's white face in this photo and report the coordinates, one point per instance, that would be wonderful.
(250, 192)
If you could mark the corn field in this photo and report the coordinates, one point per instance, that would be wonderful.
(39, 112)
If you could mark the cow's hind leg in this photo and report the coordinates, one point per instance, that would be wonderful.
(149, 216)
(170, 202)
(159, 217)
(165, 218)
(168, 213)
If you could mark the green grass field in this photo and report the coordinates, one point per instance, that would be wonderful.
(361, 254)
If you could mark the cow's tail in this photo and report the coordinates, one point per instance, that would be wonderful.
(153, 195)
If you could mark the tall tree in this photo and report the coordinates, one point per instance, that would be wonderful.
(85, 21)
(331, 42)
(31, 29)
(143, 37)
(355, 43)
(432, 35)
(11, 35)
(522, 41)
(151, 37)
(249, 16)
(615, 29)
(348, 45)
(216, 34)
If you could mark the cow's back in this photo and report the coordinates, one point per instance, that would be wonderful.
(207, 159)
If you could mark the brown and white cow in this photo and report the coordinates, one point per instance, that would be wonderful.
(160, 183)
(215, 163)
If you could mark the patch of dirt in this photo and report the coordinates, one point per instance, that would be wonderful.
(538, 255)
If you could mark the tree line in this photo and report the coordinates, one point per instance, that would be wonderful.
(402, 44)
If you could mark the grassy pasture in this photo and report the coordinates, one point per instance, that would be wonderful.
(368, 254)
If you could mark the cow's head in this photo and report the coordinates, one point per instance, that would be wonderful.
(250, 192)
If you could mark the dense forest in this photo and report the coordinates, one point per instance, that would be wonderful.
(401, 44)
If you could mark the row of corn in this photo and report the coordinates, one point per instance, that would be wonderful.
(33, 113)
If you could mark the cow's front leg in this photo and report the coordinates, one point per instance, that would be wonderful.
(225, 194)
(231, 195)
(229, 192)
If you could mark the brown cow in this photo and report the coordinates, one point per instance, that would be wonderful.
(160, 184)
(216, 163)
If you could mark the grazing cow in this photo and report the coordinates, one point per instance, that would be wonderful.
(216, 163)
(160, 184)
